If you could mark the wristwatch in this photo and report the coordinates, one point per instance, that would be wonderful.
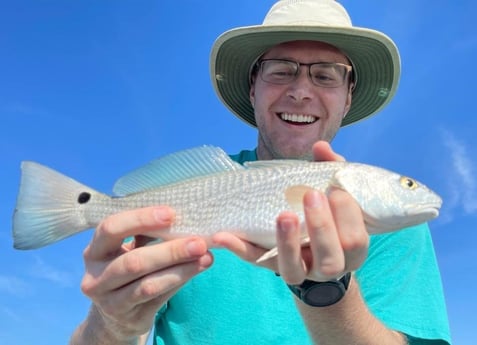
(322, 294)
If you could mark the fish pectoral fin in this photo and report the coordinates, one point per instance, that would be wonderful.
(305, 242)
(268, 255)
(294, 196)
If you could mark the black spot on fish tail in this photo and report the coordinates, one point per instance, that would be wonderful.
(84, 197)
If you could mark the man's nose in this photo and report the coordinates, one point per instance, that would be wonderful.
(302, 87)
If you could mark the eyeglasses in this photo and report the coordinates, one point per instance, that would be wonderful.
(325, 74)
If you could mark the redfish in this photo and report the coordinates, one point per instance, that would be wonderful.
(212, 193)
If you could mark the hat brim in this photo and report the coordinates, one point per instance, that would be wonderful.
(374, 56)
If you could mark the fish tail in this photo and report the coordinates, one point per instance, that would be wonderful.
(48, 207)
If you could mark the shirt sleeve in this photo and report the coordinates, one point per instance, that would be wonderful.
(401, 284)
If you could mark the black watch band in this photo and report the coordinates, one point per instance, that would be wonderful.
(322, 294)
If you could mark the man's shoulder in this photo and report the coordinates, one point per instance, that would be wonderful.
(244, 156)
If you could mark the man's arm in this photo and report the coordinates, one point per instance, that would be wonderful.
(347, 322)
(143, 338)
(93, 330)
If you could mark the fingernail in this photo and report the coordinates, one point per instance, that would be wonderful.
(163, 214)
(286, 225)
(205, 262)
(313, 199)
(195, 248)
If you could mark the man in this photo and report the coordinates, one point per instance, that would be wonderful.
(298, 77)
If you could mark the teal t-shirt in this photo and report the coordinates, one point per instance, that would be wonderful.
(235, 302)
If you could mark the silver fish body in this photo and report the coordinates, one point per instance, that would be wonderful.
(211, 193)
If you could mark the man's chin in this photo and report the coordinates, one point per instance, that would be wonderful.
(294, 153)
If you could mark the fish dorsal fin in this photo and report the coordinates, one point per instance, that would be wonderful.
(271, 163)
(176, 167)
(294, 196)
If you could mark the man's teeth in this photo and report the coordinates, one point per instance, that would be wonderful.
(297, 118)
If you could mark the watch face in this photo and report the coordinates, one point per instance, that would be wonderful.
(321, 294)
(324, 294)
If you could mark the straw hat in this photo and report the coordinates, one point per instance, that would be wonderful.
(374, 56)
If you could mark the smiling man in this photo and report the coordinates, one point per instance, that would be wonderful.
(298, 77)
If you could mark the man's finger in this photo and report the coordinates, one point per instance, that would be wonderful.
(323, 152)
(112, 231)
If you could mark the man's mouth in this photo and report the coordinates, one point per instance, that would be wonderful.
(300, 119)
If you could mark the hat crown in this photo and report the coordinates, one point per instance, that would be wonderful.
(307, 12)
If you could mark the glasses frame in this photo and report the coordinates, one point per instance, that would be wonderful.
(348, 70)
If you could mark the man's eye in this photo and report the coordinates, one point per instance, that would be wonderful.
(283, 73)
(324, 76)
(325, 79)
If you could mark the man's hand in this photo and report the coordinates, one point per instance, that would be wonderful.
(129, 282)
(338, 237)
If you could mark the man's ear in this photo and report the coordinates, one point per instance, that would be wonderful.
(251, 93)
(349, 98)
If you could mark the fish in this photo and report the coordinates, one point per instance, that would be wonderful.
(211, 193)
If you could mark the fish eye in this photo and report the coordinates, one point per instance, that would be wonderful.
(408, 183)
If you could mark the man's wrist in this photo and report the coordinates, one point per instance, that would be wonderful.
(322, 294)
(94, 330)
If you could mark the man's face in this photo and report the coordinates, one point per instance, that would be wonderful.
(282, 135)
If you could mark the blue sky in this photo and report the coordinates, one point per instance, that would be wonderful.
(97, 88)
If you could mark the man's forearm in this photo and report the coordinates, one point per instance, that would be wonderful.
(347, 322)
(93, 332)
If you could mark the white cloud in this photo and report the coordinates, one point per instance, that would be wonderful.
(45, 271)
(463, 184)
(13, 286)
(11, 314)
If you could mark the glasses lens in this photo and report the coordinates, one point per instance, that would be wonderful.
(328, 74)
(278, 71)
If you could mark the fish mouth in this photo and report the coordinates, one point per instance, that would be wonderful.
(425, 212)
(414, 215)
(420, 214)
(298, 118)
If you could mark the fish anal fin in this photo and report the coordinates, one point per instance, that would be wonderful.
(294, 196)
(305, 242)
